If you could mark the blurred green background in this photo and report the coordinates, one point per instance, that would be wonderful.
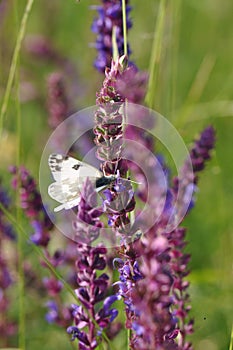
(193, 89)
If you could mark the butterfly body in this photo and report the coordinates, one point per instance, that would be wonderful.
(69, 175)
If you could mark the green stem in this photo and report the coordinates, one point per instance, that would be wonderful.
(20, 254)
(124, 27)
(156, 54)
(13, 66)
(176, 11)
(128, 338)
(115, 52)
(198, 85)
(231, 343)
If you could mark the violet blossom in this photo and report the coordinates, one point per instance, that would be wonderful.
(109, 19)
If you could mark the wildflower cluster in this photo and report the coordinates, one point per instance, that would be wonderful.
(149, 252)
(160, 298)
(152, 277)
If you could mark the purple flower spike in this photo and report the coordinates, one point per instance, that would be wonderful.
(32, 205)
(181, 300)
(199, 154)
(121, 83)
(40, 47)
(58, 105)
(109, 17)
(151, 299)
(160, 299)
(202, 147)
(92, 286)
(119, 200)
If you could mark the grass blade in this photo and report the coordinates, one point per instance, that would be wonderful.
(13, 66)
(231, 343)
(124, 27)
(156, 54)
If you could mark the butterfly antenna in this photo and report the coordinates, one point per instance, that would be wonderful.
(133, 182)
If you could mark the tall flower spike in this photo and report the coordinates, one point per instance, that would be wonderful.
(32, 205)
(40, 47)
(154, 325)
(109, 19)
(180, 297)
(132, 85)
(119, 199)
(59, 109)
(92, 286)
(109, 140)
(199, 154)
(57, 99)
(164, 288)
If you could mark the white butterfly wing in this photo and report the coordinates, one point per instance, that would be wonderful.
(65, 167)
(69, 174)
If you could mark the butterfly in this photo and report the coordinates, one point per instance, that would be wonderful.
(69, 175)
